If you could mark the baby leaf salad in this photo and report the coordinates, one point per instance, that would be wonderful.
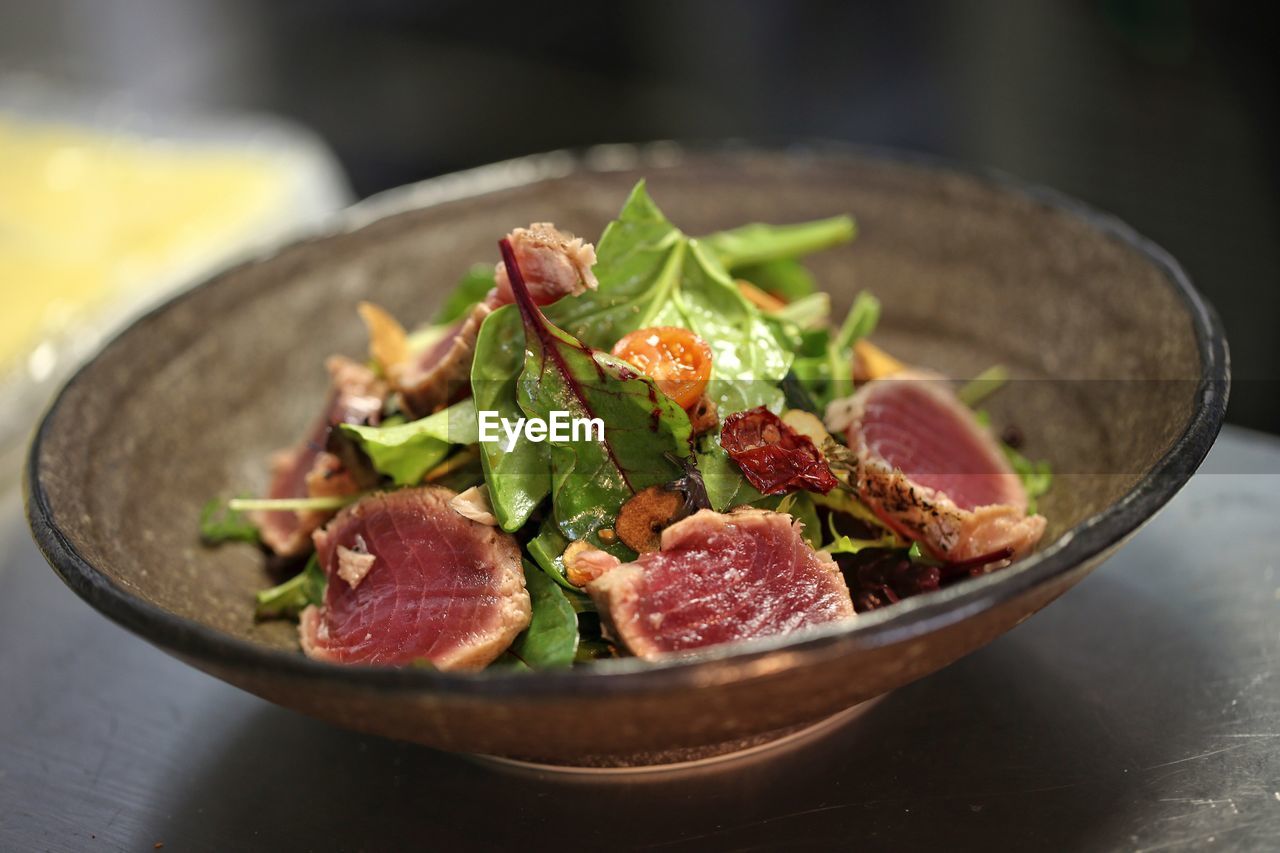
(650, 446)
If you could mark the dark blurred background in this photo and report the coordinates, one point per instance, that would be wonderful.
(1164, 113)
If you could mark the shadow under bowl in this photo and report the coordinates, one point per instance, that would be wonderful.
(1120, 373)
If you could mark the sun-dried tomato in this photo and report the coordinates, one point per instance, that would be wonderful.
(774, 457)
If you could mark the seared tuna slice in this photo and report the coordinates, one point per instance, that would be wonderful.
(554, 265)
(721, 578)
(412, 580)
(440, 374)
(926, 466)
(307, 470)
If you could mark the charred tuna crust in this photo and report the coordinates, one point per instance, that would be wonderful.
(926, 466)
(721, 578)
(411, 581)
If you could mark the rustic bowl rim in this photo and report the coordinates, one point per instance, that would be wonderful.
(906, 620)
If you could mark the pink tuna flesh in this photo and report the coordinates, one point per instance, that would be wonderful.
(440, 587)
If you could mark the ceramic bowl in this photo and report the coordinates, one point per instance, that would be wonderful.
(1121, 381)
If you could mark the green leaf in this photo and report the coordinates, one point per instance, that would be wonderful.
(592, 650)
(592, 478)
(547, 550)
(858, 323)
(797, 395)
(727, 487)
(785, 278)
(824, 358)
(843, 544)
(219, 523)
(843, 500)
(861, 321)
(551, 640)
(983, 385)
(520, 478)
(651, 274)
(807, 312)
(758, 243)
(1037, 477)
(406, 452)
(465, 470)
(289, 598)
(800, 506)
(473, 287)
(916, 554)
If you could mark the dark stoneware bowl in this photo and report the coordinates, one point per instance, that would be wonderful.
(1125, 380)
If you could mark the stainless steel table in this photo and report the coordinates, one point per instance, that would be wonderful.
(1140, 712)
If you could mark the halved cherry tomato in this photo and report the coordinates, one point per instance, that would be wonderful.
(676, 359)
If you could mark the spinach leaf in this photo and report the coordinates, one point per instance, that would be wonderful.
(475, 285)
(519, 478)
(547, 550)
(219, 523)
(551, 640)
(757, 243)
(651, 274)
(289, 598)
(405, 452)
(807, 312)
(636, 423)
(726, 485)
(785, 278)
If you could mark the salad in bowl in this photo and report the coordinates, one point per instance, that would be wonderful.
(647, 446)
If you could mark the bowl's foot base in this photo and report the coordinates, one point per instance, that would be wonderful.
(765, 745)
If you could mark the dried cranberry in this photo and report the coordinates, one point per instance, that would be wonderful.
(774, 457)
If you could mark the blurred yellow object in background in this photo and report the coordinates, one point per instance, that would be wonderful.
(86, 215)
(104, 211)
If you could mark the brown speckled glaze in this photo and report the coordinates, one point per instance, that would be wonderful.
(1127, 370)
